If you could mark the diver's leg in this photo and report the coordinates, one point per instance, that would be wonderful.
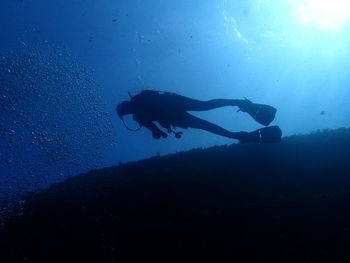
(187, 104)
(197, 123)
(198, 105)
(263, 114)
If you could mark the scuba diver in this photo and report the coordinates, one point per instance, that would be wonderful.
(170, 110)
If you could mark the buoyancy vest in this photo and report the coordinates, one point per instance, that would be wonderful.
(151, 105)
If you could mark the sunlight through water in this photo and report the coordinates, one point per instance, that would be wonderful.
(325, 14)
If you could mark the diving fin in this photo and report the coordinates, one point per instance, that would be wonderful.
(264, 135)
(262, 113)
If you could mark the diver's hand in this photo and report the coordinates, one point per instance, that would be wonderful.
(178, 135)
(164, 135)
(157, 134)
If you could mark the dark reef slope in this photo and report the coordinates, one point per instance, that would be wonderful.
(286, 202)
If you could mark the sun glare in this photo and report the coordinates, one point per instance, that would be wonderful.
(327, 14)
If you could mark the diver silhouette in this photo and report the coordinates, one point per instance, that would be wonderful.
(170, 110)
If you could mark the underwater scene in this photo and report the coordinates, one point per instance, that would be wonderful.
(174, 131)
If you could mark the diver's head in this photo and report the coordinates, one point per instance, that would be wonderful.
(124, 108)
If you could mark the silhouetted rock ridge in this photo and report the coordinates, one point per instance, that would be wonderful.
(285, 202)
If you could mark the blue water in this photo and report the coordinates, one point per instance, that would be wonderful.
(64, 66)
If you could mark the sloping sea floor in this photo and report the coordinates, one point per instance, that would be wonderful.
(284, 202)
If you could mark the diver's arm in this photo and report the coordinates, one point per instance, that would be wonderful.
(156, 132)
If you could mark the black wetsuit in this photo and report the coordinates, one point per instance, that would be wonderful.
(168, 109)
(171, 110)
